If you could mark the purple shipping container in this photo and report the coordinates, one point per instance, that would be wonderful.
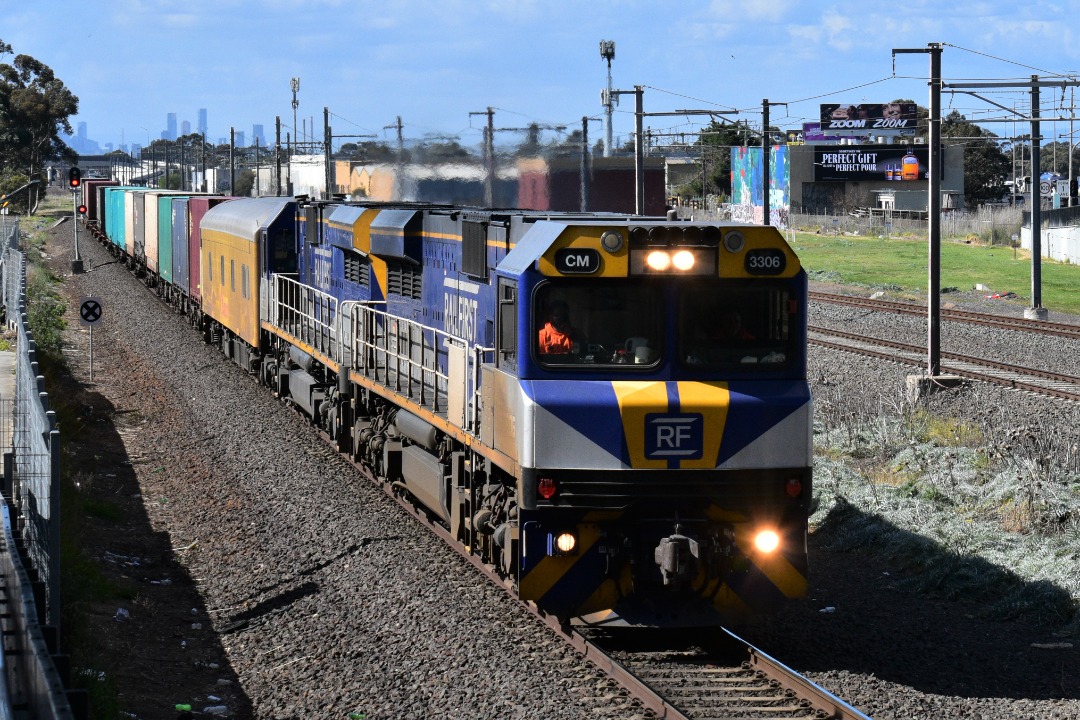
(197, 207)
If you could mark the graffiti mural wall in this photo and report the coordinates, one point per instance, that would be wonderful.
(746, 185)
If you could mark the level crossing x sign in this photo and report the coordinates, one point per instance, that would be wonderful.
(90, 311)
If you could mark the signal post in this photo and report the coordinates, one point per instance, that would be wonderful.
(75, 184)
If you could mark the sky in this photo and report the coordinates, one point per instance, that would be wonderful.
(440, 64)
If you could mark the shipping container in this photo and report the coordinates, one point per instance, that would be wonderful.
(181, 228)
(89, 198)
(197, 207)
(134, 238)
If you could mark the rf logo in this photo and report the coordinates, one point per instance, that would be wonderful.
(674, 437)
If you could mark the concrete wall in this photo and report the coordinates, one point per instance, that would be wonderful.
(1062, 244)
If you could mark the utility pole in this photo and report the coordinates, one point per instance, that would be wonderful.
(639, 151)
(277, 153)
(933, 301)
(586, 165)
(398, 186)
(1072, 108)
(232, 161)
(489, 155)
(766, 153)
(607, 98)
(327, 146)
(1036, 311)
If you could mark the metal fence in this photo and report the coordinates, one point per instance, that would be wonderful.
(30, 509)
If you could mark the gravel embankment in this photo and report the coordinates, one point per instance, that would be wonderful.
(325, 599)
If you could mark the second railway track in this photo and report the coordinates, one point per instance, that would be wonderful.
(1001, 322)
(1041, 382)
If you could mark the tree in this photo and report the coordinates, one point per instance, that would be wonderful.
(245, 183)
(446, 151)
(986, 167)
(714, 147)
(35, 107)
(369, 151)
(1054, 157)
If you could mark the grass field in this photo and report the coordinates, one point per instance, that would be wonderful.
(902, 264)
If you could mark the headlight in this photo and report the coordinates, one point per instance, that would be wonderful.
(658, 260)
(683, 260)
(561, 543)
(767, 541)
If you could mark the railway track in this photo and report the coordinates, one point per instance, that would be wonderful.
(970, 367)
(1039, 327)
(731, 679)
(1040, 382)
(719, 675)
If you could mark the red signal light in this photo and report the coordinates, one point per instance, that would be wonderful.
(74, 177)
(82, 209)
(546, 487)
(794, 487)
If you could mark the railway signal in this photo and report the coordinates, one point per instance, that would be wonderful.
(74, 178)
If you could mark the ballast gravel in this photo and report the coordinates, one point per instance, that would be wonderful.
(318, 597)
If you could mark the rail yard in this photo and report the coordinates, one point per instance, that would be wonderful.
(281, 574)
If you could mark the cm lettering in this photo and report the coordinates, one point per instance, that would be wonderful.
(577, 261)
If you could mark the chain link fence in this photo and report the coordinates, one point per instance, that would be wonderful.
(30, 685)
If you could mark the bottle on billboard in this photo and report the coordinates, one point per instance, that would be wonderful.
(910, 166)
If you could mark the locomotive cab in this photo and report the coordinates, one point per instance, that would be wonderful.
(664, 438)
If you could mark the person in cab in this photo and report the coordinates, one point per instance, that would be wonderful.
(558, 336)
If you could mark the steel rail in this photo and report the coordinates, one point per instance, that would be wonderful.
(1012, 376)
(1037, 327)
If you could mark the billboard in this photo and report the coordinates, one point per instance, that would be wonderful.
(869, 116)
(895, 163)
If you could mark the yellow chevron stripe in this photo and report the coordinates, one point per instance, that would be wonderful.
(776, 567)
(549, 571)
(712, 400)
(608, 593)
(636, 398)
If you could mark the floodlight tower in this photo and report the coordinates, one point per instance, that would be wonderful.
(607, 99)
(295, 83)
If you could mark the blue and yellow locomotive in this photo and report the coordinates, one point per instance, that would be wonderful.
(611, 411)
(653, 468)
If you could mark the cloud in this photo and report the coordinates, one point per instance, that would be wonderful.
(740, 11)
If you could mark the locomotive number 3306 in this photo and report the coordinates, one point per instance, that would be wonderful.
(765, 261)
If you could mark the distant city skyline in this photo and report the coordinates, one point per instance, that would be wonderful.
(82, 143)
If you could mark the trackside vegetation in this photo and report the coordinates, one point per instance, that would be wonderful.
(980, 510)
(82, 581)
(902, 265)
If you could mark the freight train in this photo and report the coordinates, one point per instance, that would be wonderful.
(610, 411)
